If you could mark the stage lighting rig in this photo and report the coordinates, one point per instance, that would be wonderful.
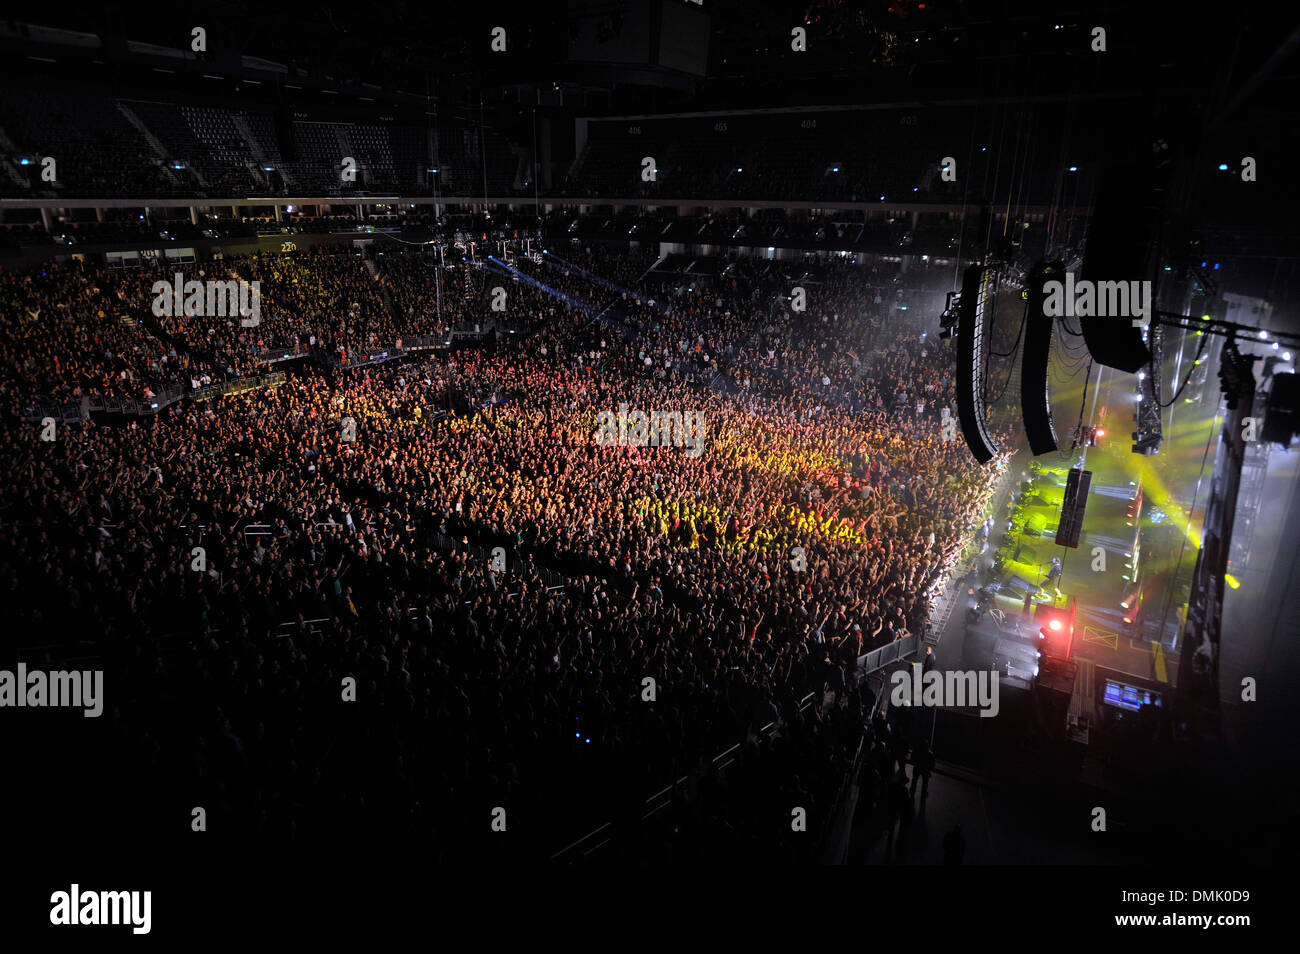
(1086, 436)
(948, 320)
(1150, 427)
(1056, 627)
(1233, 370)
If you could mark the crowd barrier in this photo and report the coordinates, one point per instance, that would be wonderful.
(72, 412)
(889, 653)
(403, 346)
(237, 386)
(276, 355)
(75, 412)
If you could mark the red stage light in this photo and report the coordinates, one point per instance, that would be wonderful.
(1101, 432)
(1127, 620)
(1055, 624)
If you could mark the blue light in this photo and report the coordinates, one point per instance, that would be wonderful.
(588, 741)
(577, 735)
(24, 162)
(1074, 168)
(916, 189)
(1223, 167)
(835, 168)
(1216, 266)
(1203, 264)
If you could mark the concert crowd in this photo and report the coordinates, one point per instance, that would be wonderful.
(533, 620)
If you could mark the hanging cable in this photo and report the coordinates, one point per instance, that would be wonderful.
(1190, 371)
(1019, 334)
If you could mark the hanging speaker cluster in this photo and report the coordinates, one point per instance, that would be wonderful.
(1073, 506)
(1122, 236)
(1035, 400)
(978, 293)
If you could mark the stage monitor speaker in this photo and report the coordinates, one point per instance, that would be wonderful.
(1121, 236)
(1035, 400)
(977, 295)
(1073, 507)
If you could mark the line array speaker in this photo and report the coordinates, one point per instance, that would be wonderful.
(1073, 506)
(1035, 401)
(978, 288)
